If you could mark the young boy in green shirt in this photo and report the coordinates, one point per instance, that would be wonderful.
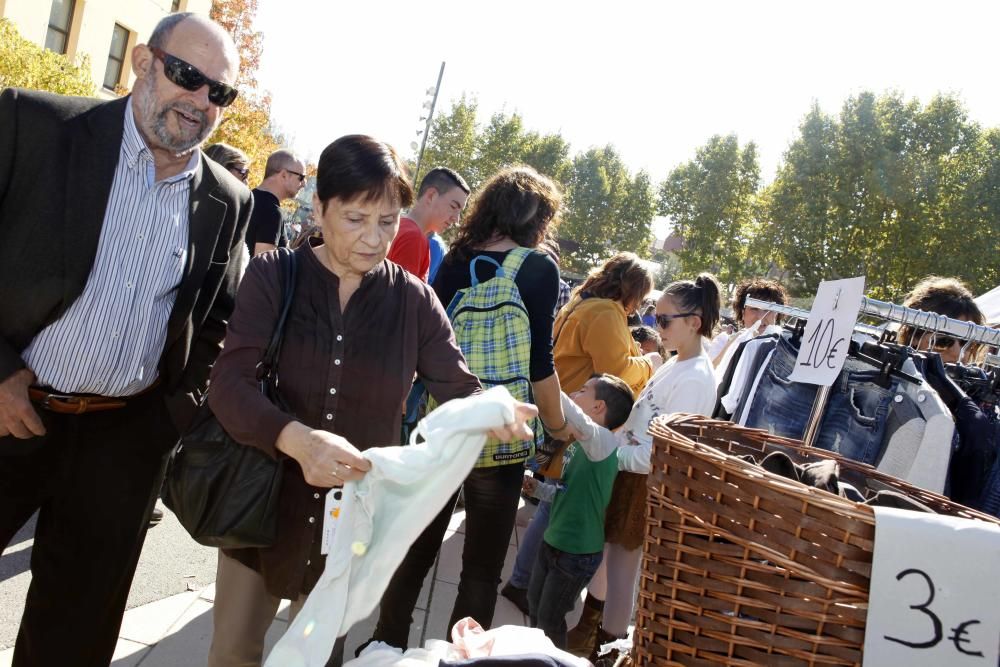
(573, 544)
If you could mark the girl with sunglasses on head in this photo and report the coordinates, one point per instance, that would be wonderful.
(686, 314)
(944, 296)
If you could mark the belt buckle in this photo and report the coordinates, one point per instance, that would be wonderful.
(66, 401)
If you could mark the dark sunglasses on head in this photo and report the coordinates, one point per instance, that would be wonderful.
(244, 172)
(189, 77)
(302, 177)
(663, 321)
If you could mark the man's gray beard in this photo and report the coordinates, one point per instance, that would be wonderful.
(155, 119)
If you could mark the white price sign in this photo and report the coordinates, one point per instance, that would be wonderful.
(828, 331)
(934, 591)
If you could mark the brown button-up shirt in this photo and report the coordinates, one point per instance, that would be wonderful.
(345, 372)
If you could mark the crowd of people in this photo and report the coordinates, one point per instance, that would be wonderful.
(142, 295)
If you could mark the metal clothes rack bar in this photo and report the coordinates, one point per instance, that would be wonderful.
(890, 312)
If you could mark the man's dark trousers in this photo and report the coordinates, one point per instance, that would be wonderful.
(93, 479)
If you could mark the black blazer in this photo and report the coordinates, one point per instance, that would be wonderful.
(57, 161)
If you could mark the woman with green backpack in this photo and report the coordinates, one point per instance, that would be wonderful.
(500, 291)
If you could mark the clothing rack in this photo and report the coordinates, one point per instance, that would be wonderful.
(890, 312)
(920, 319)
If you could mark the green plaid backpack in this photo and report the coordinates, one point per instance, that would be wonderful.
(493, 331)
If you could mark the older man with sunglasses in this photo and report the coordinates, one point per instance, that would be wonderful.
(108, 325)
(284, 177)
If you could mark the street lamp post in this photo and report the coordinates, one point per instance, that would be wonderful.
(427, 127)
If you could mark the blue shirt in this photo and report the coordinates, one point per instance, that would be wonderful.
(110, 340)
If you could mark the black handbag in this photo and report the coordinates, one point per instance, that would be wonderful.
(225, 494)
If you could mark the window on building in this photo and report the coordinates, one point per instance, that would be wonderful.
(60, 22)
(116, 58)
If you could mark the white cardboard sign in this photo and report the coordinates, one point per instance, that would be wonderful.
(828, 331)
(934, 591)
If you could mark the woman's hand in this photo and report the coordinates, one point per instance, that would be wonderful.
(520, 428)
(327, 459)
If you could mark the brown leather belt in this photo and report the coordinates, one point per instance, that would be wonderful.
(69, 404)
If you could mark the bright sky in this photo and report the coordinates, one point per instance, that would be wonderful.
(656, 78)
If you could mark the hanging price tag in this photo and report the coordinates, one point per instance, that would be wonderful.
(828, 331)
(934, 591)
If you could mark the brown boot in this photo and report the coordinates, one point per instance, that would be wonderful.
(580, 640)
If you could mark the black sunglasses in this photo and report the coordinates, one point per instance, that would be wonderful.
(663, 321)
(302, 177)
(189, 77)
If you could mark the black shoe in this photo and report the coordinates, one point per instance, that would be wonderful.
(518, 596)
(156, 517)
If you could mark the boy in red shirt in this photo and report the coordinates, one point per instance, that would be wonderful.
(440, 200)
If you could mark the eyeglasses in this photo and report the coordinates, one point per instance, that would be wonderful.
(189, 77)
(663, 321)
(242, 173)
(302, 177)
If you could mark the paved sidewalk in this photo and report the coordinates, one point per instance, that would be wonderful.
(176, 631)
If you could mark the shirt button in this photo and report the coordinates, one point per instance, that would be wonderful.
(140, 236)
(129, 284)
(898, 398)
(333, 390)
(316, 496)
(329, 416)
(308, 562)
(336, 362)
(312, 519)
(339, 338)
(114, 335)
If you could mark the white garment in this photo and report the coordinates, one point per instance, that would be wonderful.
(717, 344)
(741, 419)
(380, 517)
(469, 640)
(686, 386)
(749, 333)
(741, 375)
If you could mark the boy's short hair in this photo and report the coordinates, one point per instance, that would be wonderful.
(642, 333)
(617, 397)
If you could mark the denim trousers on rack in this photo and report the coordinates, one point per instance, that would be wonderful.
(853, 423)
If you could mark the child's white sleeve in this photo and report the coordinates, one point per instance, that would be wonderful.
(598, 443)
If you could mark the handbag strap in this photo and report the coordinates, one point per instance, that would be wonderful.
(288, 261)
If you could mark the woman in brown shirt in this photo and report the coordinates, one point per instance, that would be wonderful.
(358, 329)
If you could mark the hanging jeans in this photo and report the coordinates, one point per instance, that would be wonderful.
(853, 423)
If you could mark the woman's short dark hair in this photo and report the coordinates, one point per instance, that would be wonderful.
(356, 166)
(701, 296)
(944, 296)
(757, 288)
(617, 397)
(517, 203)
(622, 278)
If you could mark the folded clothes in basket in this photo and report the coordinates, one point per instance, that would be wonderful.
(825, 475)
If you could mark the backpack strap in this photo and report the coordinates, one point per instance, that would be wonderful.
(474, 279)
(515, 258)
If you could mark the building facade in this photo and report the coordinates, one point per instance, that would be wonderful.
(104, 30)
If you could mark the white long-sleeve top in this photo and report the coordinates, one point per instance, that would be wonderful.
(382, 514)
(685, 386)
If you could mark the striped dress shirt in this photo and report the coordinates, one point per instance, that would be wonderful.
(110, 339)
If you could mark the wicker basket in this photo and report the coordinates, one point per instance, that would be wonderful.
(743, 567)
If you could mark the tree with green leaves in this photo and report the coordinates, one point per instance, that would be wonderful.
(711, 202)
(24, 64)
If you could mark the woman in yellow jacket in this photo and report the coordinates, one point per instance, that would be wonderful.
(591, 333)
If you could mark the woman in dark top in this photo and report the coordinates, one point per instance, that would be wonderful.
(358, 330)
(514, 209)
